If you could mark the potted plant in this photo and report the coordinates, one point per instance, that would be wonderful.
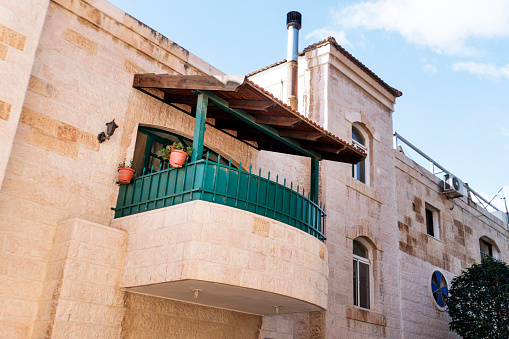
(125, 171)
(176, 154)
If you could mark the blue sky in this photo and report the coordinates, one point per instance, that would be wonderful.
(450, 58)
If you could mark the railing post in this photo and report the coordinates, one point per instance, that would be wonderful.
(199, 127)
(315, 178)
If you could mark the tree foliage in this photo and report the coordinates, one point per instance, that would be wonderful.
(478, 301)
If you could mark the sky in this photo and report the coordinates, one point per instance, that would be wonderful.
(450, 58)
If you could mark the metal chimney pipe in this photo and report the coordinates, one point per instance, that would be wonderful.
(293, 24)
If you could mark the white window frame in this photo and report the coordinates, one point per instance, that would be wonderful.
(364, 148)
(358, 259)
(435, 217)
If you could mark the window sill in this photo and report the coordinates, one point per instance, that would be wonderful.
(365, 315)
(434, 238)
(363, 189)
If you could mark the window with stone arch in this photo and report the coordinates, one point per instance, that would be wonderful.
(361, 273)
(488, 247)
(360, 140)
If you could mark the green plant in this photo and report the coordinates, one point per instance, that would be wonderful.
(126, 163)
(165, 152)
(478, 301)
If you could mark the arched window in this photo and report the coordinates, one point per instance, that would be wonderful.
(361, 275)
(359, 170)
(151, 140)
(488, 247)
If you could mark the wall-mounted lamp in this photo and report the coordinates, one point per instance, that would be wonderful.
(110, 129)
(196, 291)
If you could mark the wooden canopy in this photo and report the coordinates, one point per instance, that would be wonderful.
(256, 116)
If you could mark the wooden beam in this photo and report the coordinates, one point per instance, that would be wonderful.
(234, 125)
(277, 121)
(192, 82)
(219, 114)
(250, 120)
(258, 137)
(323, 147)
(254, 105)
(303, 135)
(180, 99)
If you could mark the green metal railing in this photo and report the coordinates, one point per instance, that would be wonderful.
(222, 184)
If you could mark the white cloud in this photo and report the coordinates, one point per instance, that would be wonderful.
(325, 32)
(446, 26)
(430, 69)
(489, 70)
(505, 131)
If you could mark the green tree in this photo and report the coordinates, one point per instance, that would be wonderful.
(478, 301)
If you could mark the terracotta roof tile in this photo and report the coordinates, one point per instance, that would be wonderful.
(305, 118)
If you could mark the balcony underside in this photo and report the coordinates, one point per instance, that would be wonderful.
(227, 296)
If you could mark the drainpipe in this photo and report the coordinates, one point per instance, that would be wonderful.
(293, 24)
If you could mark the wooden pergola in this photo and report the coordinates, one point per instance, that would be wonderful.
(237, 104)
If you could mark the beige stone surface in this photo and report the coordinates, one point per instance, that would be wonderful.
(209, 236)
(150, 317)
(67, 69)
(81, 294)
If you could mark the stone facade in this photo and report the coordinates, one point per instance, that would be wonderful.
(69, 269)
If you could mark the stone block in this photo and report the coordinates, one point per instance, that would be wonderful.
(38, 120)
(67, 132)
(12, 38)
(132, 68)
(41, 87)
(80, 41)
(5, 108)
(3, 52)
(261, 227)
(257, 261)
(54, 144)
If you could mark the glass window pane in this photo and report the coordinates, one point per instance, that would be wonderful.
(357, 136)
(429, 222)
(359, 249)
(363, 285)
(355, 284)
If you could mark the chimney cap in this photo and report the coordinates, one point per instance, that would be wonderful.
(293, 18)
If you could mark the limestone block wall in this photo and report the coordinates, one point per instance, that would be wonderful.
(455, 248)
(294, 326)
(210, 242)
(20, 29)
(81, 296)
(80, 79)
(355, 209)
(150, 317)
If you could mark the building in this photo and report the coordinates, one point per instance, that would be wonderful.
(235, 244)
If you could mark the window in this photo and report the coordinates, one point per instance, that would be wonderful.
(359, 170)
(439, 290)
(487, 247)
(361, 292)
(432, 221)
(151, 140)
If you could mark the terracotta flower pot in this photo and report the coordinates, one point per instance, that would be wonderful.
(125, 175)
(177, 158)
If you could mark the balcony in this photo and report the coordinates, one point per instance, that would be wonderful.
(212, 234)
(225, 185)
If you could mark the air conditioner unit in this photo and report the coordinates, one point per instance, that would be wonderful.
(453, 187)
